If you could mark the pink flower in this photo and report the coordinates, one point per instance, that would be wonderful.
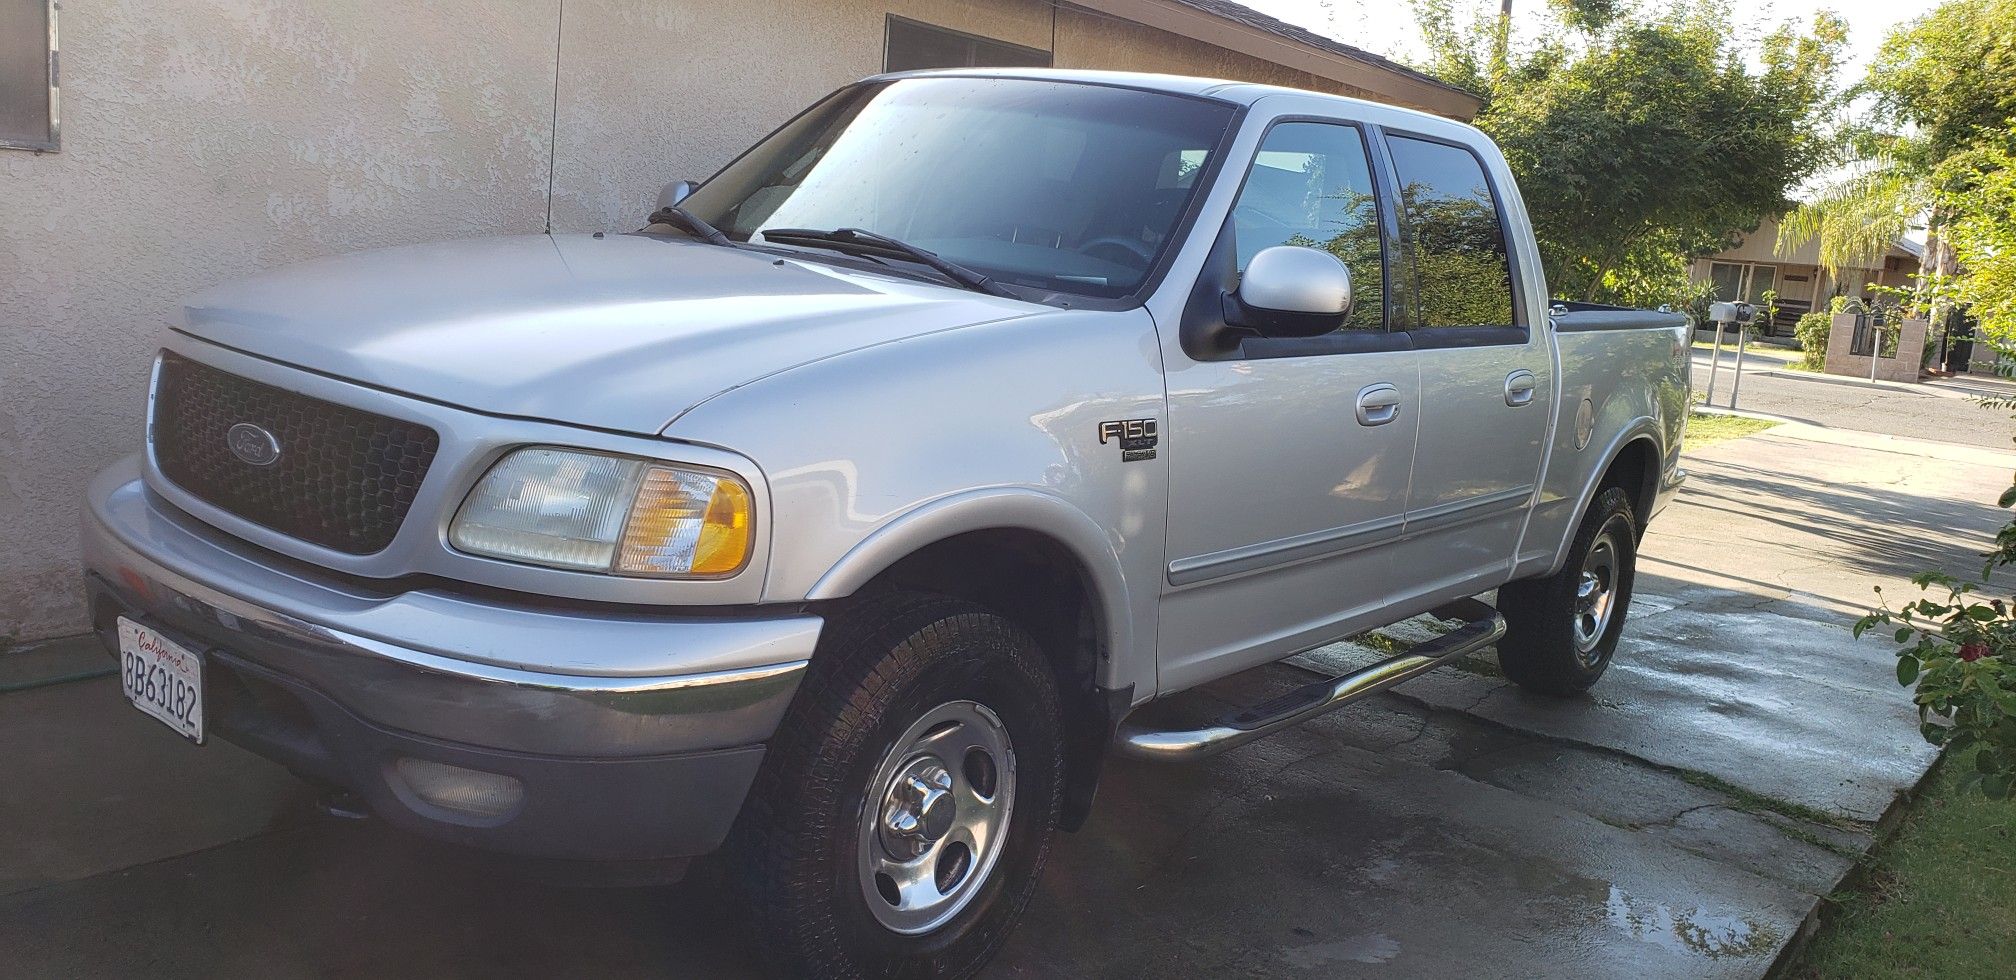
(1971, 652)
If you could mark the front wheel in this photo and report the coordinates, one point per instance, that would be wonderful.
(1562, 630)
(906, 805)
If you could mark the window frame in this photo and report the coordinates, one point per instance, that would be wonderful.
(1517, 333)
(888, 35)
(55, 130)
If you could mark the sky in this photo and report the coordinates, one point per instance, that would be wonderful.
(1387, 26)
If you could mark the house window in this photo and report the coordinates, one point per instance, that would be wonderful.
(1748, 282)
(1728, 280)
(1743, 282)
(1763, 279)
(28, 74)
(913, 46)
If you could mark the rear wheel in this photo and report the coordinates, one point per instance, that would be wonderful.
(1562, 630)
(906, 805)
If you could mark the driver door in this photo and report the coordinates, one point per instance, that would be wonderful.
(1290, 458)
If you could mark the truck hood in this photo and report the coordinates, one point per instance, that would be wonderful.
(623, 332)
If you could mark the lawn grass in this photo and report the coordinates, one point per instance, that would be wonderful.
(1704, 429)
(1937, 900)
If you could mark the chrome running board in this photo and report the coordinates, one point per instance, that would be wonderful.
(1482, 626)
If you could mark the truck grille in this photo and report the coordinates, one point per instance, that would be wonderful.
(343, 478)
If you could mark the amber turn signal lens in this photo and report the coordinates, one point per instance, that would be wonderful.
(687, 523)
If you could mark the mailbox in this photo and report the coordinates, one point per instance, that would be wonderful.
(1731, 312)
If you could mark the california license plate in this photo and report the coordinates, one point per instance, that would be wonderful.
(162, 678)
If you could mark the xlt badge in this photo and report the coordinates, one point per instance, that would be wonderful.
(1137, 438)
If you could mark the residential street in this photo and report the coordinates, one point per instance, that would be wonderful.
(1680, 823)
(1945, 412)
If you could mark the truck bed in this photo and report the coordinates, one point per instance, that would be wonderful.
(1584, 317)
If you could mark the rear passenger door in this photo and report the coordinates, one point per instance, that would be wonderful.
(1486, 372)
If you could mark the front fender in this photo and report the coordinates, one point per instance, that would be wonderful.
(992, 509)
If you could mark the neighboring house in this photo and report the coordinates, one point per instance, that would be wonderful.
(1755, 266)
(204, 140)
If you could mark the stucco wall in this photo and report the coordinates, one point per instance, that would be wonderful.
(206, 139)
(655, 92)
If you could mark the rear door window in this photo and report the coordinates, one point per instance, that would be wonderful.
(1458, 272)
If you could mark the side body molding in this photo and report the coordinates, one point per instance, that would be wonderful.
(993, 509)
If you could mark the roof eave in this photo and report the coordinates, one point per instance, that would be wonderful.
(1384, 81)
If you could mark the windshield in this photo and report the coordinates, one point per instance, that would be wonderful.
(1057, 186)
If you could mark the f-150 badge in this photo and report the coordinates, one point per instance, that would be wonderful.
(1137, 438)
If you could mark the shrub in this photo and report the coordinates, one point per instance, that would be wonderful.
(1693, 299)
(1959, 649)
(1811, 331)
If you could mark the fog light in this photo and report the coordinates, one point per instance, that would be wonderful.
(484, 794)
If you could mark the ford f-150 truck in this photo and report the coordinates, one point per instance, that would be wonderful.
(842, 519)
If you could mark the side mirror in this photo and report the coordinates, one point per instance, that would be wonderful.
(1292, 291)
(675, 192)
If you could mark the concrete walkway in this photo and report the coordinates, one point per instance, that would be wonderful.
(1680, 823)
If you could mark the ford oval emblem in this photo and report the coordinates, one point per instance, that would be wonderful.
(253, 444)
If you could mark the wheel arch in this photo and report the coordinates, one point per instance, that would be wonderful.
(1633, 461)
(1042, 563)
(1635, 467)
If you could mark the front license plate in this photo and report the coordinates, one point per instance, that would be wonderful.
(162, 677)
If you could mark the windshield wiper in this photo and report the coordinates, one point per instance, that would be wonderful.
(861, 241)
(693, 225)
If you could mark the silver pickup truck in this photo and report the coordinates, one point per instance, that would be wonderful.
(847, 516)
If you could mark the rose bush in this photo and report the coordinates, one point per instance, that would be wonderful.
(1959, 648)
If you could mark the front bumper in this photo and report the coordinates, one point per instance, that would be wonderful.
(632, 735)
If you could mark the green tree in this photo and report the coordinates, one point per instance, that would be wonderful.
(1982, 233)
(1952, 76)
(1943, 97)
(1641, 139)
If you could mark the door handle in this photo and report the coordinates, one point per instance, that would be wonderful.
(1519, 386)
(1378, 404)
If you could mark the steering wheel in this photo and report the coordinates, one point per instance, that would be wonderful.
(1130, 246)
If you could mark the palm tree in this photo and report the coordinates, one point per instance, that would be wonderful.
(1858, 217)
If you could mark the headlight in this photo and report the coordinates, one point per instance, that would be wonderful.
(598, 513)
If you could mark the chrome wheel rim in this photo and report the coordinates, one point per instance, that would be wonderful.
(936, 817)
(1595, 598)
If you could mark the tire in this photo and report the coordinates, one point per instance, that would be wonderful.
(900, 683)
(1557, 641)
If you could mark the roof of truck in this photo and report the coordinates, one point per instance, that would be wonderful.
(1241, 93)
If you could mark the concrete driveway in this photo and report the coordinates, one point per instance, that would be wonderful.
(1681, 823)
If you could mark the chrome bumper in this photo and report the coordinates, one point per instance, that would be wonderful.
(516, 677)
